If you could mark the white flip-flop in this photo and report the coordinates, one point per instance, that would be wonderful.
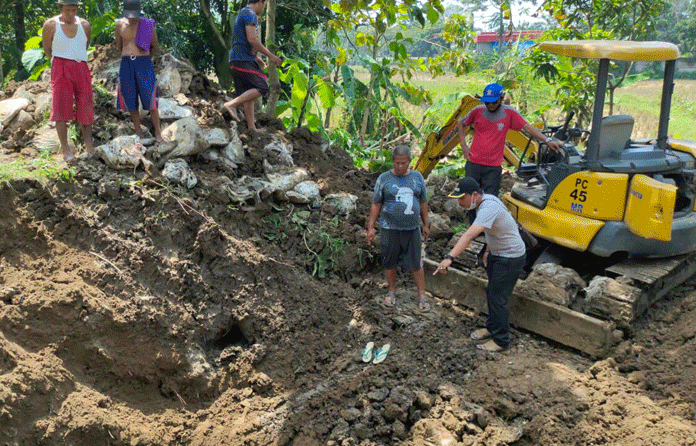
(381, 354)
(367, 352)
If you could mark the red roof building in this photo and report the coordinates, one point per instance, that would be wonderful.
(488, 42)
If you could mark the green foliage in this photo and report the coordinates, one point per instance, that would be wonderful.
(324, 249)
(310, 93)
(374, 33)
(39, 168)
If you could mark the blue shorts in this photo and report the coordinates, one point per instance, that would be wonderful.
(136, 78)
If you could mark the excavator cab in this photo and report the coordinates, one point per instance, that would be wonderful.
(623, 196)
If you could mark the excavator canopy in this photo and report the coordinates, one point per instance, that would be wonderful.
(613, 49)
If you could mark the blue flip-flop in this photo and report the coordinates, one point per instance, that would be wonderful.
(367, 352)
(381, 354)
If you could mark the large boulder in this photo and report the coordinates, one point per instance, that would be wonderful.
(22, 120)
(10, 107)
(178, 171)
(46, 138)
(216, 137)
(169, 81)
(186, 138)
(306, 192)
(278, 152)
(552, 283)
(124, 152)
(344, 202)
(175, 77)
(170, 110)
(233, 153)
(280, 183)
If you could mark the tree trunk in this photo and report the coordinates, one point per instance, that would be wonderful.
(19, 26)
(220, 47)
(327, 119)
(273, 81)
(367, 110)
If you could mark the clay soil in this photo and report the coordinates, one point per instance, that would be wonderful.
(133, 312)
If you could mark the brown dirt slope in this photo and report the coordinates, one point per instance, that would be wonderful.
(133, 312)
(137, 313)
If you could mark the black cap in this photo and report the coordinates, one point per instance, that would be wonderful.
(131, 9)
(467, 185)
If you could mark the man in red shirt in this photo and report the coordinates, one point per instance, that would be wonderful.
(491, 121)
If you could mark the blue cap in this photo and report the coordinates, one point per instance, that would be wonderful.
(492, 92)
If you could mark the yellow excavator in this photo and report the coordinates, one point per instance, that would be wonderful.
(623, 208)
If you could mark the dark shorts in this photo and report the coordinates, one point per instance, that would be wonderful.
(401, 246)
(488, 177)
(136, 78)
(248, 75)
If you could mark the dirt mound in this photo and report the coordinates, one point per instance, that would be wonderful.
(135, 312)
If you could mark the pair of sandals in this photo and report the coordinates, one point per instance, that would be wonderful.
(483, 334)
(423, 304)
(379, 355)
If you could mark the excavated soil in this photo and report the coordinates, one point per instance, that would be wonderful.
(133, 312)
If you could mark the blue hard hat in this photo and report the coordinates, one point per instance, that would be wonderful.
(492, 92)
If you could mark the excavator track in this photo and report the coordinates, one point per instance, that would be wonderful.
(652, 278)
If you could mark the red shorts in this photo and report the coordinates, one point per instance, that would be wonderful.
(71, 84)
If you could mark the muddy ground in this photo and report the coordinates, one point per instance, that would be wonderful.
(137, 313)
(133, 312)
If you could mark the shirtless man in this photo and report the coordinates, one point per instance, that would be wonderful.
(65, 41)
(136, 77)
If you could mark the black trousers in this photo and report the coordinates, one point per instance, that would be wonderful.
(488, 177)
(503, 273)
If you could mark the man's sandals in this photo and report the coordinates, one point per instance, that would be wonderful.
(390, 299)
(490, 347)
(424, 305)
(480, 335)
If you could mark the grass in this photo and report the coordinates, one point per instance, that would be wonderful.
(41, 168)
(642, 101)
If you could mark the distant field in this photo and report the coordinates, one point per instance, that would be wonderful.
(640, 100)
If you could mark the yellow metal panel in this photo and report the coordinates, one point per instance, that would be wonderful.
(519, 140)
(683, 145)
(613, 49)
(595, 195)
(650, 208)
(562, 228)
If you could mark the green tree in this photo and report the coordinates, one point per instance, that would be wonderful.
(583, 19)
(685, 31)
(374, 32)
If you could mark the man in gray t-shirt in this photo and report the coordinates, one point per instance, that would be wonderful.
(504, 259)
(401, 203)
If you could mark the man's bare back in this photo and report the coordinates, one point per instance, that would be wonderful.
(126, 30)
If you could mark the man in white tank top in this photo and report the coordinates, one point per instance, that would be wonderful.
(65, 41)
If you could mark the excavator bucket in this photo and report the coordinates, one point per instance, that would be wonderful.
(439, 144)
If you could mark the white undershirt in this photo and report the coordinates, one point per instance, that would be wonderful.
(66, 48)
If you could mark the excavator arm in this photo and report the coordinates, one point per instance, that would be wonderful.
(439, 144)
